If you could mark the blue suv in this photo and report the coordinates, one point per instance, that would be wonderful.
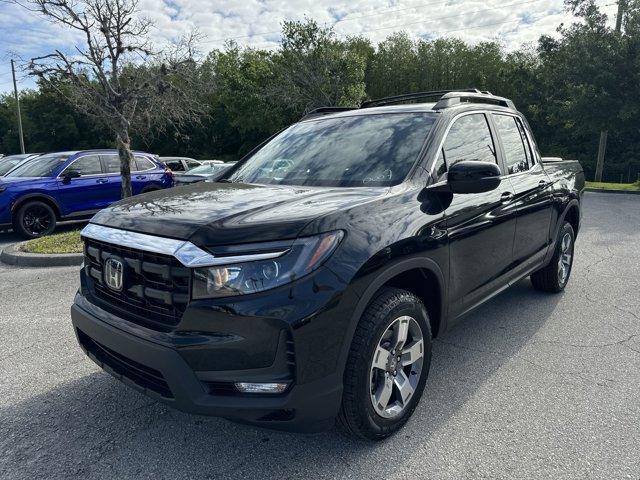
(71, 186)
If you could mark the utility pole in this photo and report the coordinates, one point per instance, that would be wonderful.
(15, 92)
(622, 5)
(602, 147)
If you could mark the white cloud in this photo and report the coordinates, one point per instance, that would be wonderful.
(257, 23)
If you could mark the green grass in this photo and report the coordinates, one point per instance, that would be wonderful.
(66, 242)
(614, 186)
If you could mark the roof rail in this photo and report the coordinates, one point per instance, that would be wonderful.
(412, 96)
(463, 96)
(445, 99)
(318, 112)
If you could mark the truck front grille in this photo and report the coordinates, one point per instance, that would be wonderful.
(155, 289)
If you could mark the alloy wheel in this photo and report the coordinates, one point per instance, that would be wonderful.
(396, 367)
(36, 220)
(564, 261)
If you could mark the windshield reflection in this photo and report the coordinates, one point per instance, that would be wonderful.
(346, 151)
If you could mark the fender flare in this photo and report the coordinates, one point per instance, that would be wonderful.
(552, 247)
(36, 196)
(389, 272)
(572, 203)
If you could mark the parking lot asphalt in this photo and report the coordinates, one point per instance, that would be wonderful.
(530, 385)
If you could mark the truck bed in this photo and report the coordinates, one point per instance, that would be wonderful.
(567, 173)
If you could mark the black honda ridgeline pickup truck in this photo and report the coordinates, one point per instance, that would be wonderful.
(308, 283)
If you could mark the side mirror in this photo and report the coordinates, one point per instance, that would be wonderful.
(69, 174)
(470, 176)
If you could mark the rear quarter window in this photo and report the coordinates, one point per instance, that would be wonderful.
(143, 163)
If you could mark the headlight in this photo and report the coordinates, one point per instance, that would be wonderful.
(305, 255)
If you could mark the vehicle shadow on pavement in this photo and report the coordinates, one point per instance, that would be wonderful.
(95, 427)
(9, 236)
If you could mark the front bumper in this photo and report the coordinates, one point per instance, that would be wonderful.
(161, 372)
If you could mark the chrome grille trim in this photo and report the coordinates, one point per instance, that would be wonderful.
(184, 251)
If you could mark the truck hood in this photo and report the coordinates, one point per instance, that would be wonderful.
(210, 214)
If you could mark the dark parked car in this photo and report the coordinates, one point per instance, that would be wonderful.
(205, 172)
(12, 161)
(179, 165)
(70, 186)
(309, 284)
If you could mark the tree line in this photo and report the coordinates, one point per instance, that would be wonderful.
(570, 86)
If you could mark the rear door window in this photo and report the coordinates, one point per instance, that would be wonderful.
(112, 164)
(175, 165)
(527, 144)
(516, 148)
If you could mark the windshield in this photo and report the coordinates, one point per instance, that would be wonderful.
(362, 150)
(7, 163)
(42, 166)
(208, 169)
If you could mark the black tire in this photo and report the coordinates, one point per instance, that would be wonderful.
(550, 278)
(357, 414)
(34, 219)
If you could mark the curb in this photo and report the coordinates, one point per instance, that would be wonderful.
(602, 190)
(11, 255)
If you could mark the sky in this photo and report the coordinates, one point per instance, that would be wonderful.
(257, 23)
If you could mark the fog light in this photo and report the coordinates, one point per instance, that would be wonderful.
(245, 387)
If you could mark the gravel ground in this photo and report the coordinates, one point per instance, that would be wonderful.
(529, 386)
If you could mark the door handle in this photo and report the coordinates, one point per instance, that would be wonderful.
(140, 177)
(506, 196)
(542, 183)
(102, 180)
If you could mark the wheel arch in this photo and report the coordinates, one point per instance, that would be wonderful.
(37, 197)
(422, 277)
(572, 215)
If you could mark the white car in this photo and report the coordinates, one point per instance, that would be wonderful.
(179, 165)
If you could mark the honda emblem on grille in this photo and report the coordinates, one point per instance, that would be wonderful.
(113, 273)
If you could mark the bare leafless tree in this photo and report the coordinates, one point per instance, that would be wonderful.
(116, 74)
